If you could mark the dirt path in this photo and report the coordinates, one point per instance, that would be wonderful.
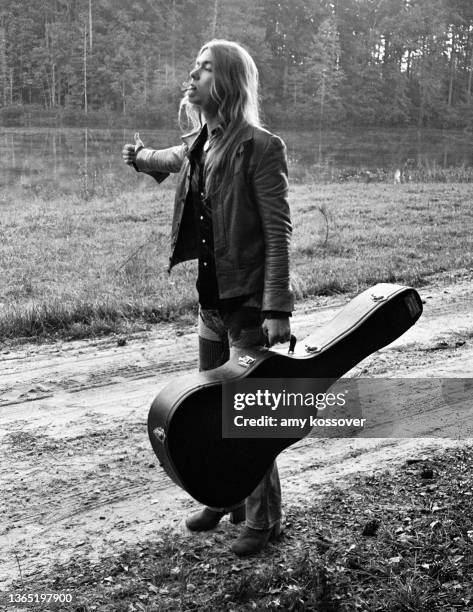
(78, 474)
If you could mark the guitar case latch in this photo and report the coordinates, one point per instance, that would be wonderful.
(378, 298)
(246, 361)
(160, 434)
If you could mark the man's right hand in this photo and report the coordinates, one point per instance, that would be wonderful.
(129, 151)
(128, 154)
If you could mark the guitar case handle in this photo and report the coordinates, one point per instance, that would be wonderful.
(292, 344)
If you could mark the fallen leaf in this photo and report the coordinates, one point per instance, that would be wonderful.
(394, 560)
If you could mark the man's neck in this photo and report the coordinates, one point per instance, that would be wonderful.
(211, 121)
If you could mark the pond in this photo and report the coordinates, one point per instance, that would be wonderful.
(59, 157)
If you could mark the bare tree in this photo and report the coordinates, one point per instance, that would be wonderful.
(3, 63)
(85, 69)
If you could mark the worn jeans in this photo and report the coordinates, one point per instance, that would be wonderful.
(220, 336)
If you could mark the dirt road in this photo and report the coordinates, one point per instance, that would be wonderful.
(78, 474)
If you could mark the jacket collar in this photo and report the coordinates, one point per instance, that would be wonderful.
(191, 138)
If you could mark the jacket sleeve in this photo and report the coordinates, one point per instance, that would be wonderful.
(159, 163)
(270, 186)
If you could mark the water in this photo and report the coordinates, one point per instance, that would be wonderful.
(66, 157)
(386, 149)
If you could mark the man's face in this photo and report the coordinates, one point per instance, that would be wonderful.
(202, 77)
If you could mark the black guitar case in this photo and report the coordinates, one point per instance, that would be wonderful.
(185, 419)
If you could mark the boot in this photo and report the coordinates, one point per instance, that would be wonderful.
(251, 541)
(207, 519)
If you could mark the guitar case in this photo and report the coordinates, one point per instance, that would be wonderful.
(185, 419)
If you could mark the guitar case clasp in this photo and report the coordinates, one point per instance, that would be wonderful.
(246, 361)
(160, 434)
(378, 298)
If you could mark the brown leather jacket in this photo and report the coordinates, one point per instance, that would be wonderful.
(251, 222)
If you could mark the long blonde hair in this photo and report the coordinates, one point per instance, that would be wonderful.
(235, 94)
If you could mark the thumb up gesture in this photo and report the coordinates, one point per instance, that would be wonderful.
(129, 151)
(139, 144)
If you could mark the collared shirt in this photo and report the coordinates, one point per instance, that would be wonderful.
(207, 286)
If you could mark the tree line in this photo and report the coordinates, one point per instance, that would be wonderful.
(321, 62)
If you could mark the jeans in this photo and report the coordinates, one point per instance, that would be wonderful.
(221, 336)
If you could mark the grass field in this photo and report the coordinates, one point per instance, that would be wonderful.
(95, 262)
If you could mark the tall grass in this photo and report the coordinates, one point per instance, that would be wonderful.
(378, 233)
(94, 260)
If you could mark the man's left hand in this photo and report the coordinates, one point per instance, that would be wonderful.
(277, 330)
